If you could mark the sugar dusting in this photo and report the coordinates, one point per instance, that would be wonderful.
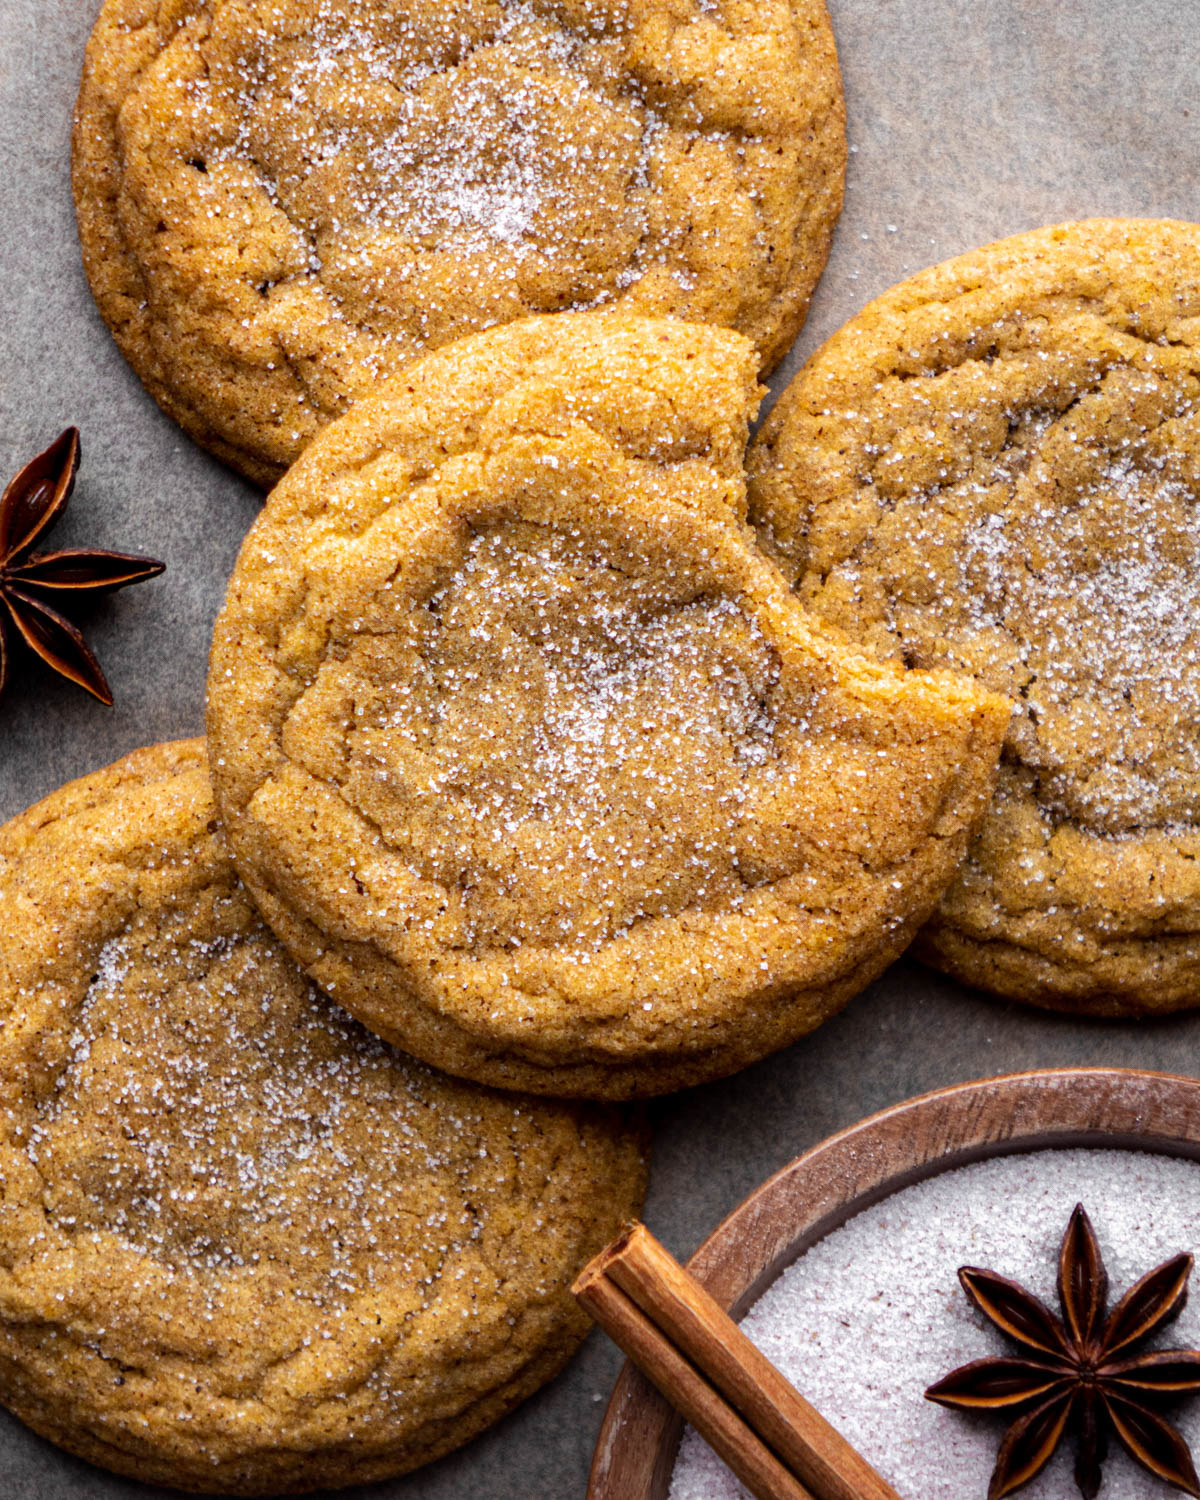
(1064, 569)
(235, 1120)
(1104, 598)
(578, 742)
(874, 1313)
(493, 169)
(506, 137)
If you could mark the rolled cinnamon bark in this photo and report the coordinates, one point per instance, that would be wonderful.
(691, 1349)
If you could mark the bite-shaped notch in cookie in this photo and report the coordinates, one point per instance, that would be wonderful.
(531, 757)
(280, 203)
(996, 468)
(244, 1245)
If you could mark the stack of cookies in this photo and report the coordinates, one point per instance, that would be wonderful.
(527, 756)
(560, 753)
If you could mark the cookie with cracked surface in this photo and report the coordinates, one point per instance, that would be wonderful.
(529, 755)
(279, 203)
(244, 1246)
(996, 468)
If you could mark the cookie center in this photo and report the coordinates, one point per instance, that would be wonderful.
(398, 145)
(573, 751)
(217, 1114)
(1104, 596)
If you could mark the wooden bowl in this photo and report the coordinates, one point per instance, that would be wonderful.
(638, 1443)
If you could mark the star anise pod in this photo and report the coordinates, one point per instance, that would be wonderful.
(1080, 1371)
(32, 583)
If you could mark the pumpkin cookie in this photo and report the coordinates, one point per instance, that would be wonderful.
(996, 468)
(244, 1246)
(281, 201)
(529, 755)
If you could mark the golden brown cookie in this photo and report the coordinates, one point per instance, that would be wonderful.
(996, 468)
(529, 755)
(245, 1246)
(281, 201)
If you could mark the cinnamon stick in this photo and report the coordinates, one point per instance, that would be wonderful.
(680, 1324)
(763, 1474)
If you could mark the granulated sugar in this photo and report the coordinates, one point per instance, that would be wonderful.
(249, 1106)
(874, 1313)
(1103, 598)
(1041, 538)
(391, 144)
(579, 743)
(465, 152)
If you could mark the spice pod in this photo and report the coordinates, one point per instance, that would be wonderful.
(912, 1143)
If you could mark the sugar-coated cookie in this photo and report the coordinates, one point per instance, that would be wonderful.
(245, 1246)
(528, 753)
(281, 201)
(996, 468)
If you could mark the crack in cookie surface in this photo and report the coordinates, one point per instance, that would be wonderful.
(564, 745)
(209, 1094)
(1065, 574)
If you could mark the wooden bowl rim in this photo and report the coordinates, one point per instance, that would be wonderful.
(1126, 1108)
